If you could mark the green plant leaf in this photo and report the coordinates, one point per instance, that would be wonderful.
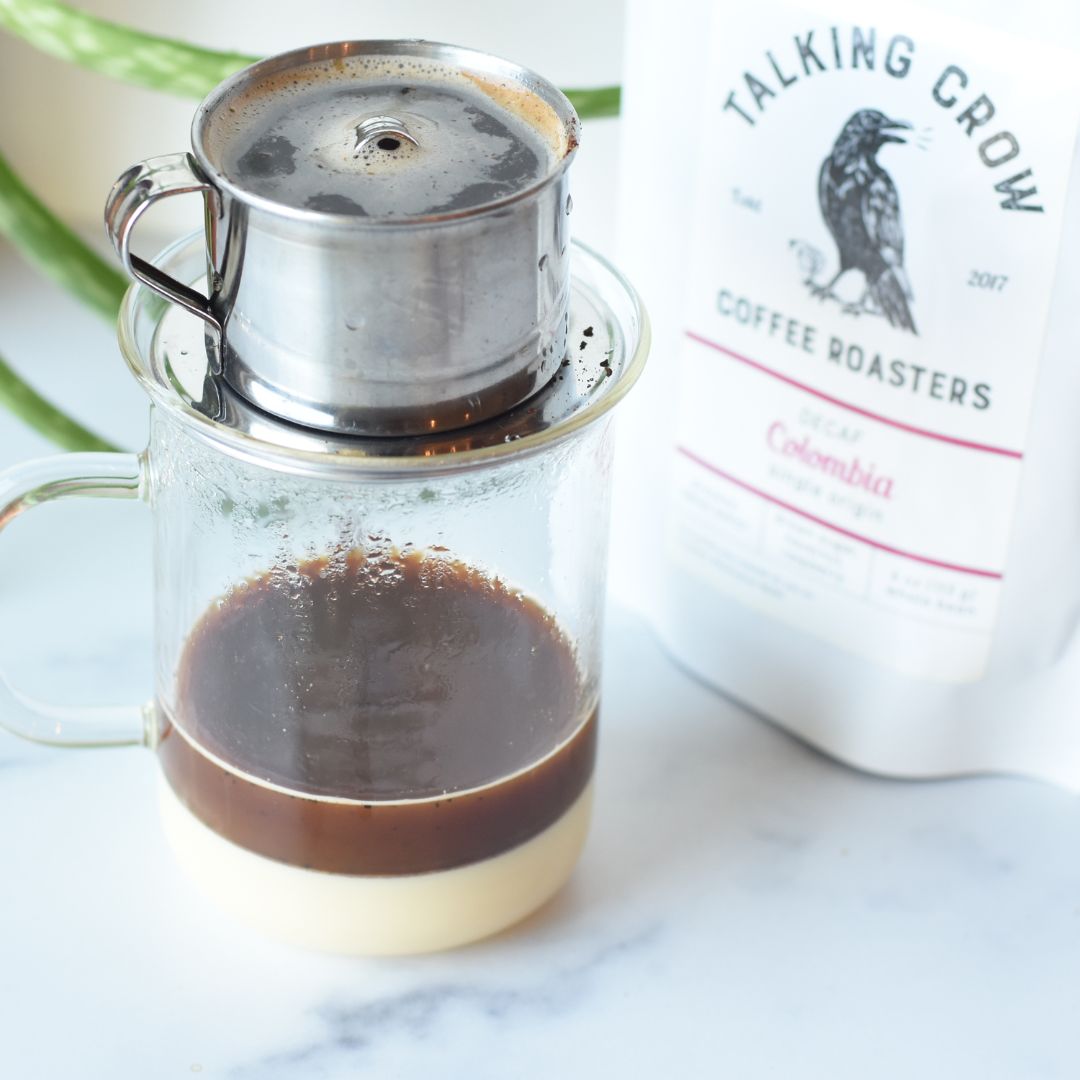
(54, 249)
(117, 51)
(44, 417)
(595, 103)
(50, 245)
(167, 64)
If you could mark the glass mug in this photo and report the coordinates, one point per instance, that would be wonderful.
(377, 674)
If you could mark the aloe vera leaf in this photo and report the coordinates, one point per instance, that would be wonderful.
(594, 103)
(54, 249)
(167, 64)
(37, 412)
(117, 51)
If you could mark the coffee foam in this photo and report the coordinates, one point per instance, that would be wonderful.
(290, 137)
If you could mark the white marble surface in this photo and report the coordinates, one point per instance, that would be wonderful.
(744, 909)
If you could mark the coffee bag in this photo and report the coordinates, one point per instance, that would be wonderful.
(856, 230)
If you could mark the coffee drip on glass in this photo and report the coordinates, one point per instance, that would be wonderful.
(379, 469)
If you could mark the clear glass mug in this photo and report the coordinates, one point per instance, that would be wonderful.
(377, 677)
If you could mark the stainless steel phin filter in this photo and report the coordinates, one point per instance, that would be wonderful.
(387, 234)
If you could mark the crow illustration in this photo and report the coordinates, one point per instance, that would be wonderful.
(862, 210)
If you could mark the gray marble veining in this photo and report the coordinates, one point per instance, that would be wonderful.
(356, 1032)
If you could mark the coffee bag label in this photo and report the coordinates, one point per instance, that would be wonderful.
(878, 222)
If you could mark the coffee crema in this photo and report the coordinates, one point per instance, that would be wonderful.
(460, 141)
(395, 714)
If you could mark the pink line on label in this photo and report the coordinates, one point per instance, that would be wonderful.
(829, 525)
(986, 449)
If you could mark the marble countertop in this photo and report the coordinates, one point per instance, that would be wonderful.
(745, 908)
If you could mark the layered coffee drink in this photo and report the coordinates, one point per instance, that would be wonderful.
(384, 719)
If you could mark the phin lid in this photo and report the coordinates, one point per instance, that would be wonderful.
(391, 244)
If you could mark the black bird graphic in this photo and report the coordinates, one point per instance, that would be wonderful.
(862, 210)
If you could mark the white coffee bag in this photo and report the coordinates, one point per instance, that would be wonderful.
(856, 228)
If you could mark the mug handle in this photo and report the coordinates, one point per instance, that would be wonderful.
(135, 191)
(108, 476)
